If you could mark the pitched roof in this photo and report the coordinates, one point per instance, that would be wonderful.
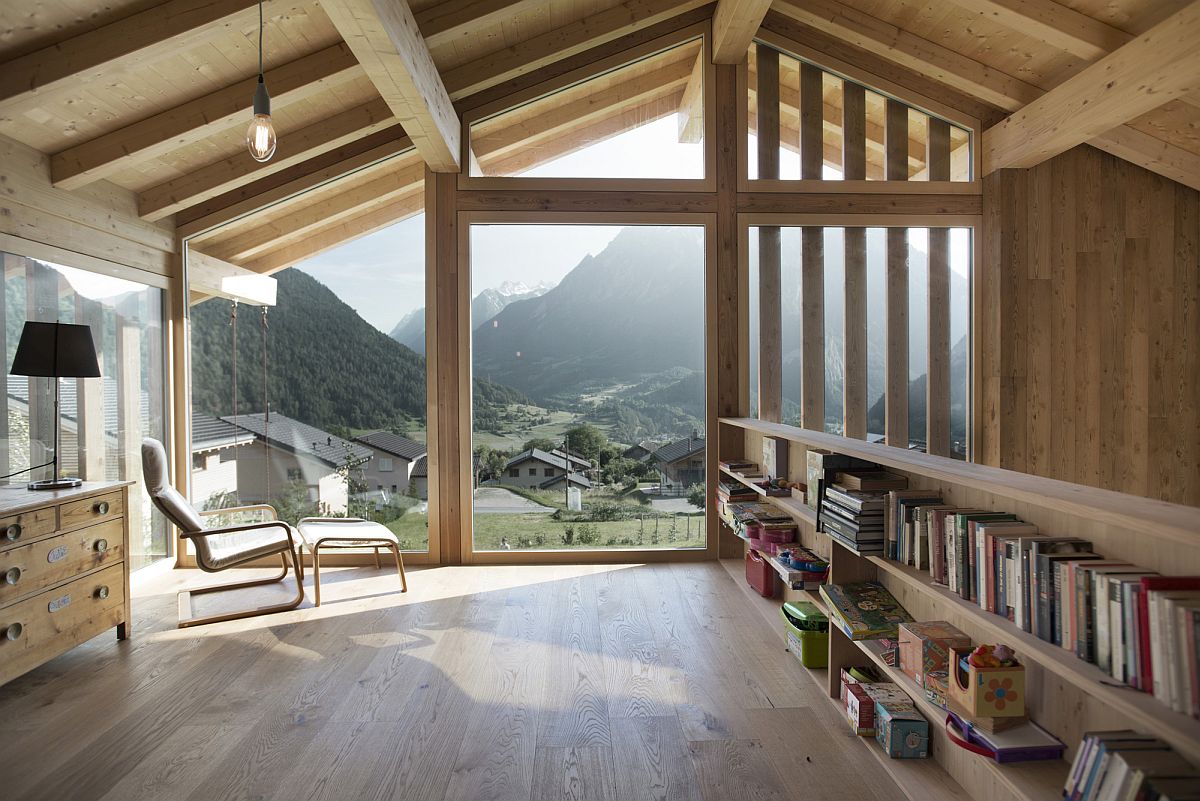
(539, 455)
(302, 439)
(394, 444)
(679, 449)
(211, 433)
(576, 478)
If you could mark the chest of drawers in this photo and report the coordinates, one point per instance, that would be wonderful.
(64, 571)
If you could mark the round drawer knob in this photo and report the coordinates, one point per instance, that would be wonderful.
(12, 575)
(13, 531)
(13, 632)
(102, 592)
(102, 508)
(101, 546)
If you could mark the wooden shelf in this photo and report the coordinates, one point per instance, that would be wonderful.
(1143, 710)
(1157, 519)
(787, 505)
(1033, 781)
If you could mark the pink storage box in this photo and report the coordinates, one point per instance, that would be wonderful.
(779, 535)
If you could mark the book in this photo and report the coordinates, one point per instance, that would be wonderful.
(1128, 771)
(1046, 545)
(864, 610)
(1021, 581)
(856, 501)
(1120, 630)
(1149, 675)
(1096, 641)
(900, 504)
(1047, 611)
(871, 480)
(964, 549)
(851, 532)
(1090, 748)
(985, 557)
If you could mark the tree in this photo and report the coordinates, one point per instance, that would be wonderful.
(697, 495)
(619, 470)
(540, 443)
(586, 440)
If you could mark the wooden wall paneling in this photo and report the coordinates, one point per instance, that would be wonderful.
(812, 110)
(896, 378)
(770, 332)
(89, 394)
(1063, 321)
(812, 328)
(1184, 325)
(854, 335)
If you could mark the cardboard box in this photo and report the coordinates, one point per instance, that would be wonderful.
(860, 709)
(901, 730)
(937, 688)
(986, 692)
(925, 647)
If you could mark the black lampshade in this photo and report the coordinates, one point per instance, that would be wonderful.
(58, 350)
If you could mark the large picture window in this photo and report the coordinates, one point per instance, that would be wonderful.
(589, 386)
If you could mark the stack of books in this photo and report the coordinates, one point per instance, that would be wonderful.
(854, 518)
(1125, 764)
(864, 610)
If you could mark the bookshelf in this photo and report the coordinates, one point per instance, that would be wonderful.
(1066, 695)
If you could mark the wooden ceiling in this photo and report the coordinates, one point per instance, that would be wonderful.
(154, 96)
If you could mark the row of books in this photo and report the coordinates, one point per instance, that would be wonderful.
(852, 509)
(1141, 628)
(1128, 766)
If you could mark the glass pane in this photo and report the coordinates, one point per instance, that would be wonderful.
(103, 420)
(338, 362)
(876, 333)
(642, 120)
(960, 339)
(589, 401)
(835, 309)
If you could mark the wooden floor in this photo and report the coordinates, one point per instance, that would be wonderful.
(571, 682)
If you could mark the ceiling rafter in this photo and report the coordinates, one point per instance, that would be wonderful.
(691, 107)
(1160, 65)
(136, 39)
(295, 147)
(445, 21)
(384, 36)
(733, 27)
(199, 118)
(1057, 25)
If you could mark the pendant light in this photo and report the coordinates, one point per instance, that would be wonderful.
(260, 136)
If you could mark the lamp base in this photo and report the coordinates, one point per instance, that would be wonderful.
(55, 484)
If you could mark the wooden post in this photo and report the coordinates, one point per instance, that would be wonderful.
(41, 304)
(812, 328)
(937, 385)
(447, 291)
(8, 268)
(896, 145)
(89, 394)
(896, 418)
(770, 325)
(812, 129)
(129, 423)
(854, 320)
(854, 132)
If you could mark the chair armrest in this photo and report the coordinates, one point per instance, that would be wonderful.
(209, 532)
(332, 520)
(256, 507)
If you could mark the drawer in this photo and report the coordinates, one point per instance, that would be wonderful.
(16, 530)
(34, 567)
(44, 626)
(91, 510)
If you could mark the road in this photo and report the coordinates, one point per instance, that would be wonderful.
(499, 501)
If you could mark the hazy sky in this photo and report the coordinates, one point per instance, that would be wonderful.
(382, 276)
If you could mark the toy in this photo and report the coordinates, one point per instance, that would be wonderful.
(901, 730)
(987, 682)
(925, 647)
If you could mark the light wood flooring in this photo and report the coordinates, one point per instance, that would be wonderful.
(482, 683)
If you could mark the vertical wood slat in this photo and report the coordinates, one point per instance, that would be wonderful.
(937, 384)
(770, 327)
(129, 422)
(896, 380)
(812, 129)
(448, 517)
(89, 392)
(896, 141)
(812, 328)
(854, 336)
(854, 132)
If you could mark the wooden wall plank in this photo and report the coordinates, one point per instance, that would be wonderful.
(854, 335)
(812, 328)
(896, 380)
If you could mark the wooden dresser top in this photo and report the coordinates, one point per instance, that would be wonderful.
(17, 498)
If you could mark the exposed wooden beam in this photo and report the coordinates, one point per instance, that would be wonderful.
(561, 43)
(1057, 25)
(209, 276)
(450, 20)
(733, 27)
(328, 207)
(136, 39)
(691, 107)
(1160, 65)
(384, 36)
(294, 147)
(371, 152)
(1171, 161)
(200, 118)
(337, 234)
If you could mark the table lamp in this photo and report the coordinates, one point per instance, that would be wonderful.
(56, 350)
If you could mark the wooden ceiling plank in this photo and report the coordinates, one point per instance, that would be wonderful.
(295, 147)
(199, 118)
(384, 36)
(1055, 24)
(446, 21)
(1160, 65)
(561, 43)
(733, 27)
(139, 38)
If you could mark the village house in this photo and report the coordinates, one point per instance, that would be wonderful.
(539, 469)
(392, 466)
(680, 463)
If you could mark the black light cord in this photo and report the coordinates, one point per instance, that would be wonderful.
(26, 470)
(260, 39)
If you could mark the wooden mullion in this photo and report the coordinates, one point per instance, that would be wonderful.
(812, 109)
(937, 385)
(896, 144)
(768, 112)
(89, 418)
(938, 150)
(854, 335)
(812, 328)
(770, 331)
(896, 418)
(854, 132)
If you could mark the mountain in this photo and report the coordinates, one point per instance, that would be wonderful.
(410, 331)
(328, 367)
(634, 310)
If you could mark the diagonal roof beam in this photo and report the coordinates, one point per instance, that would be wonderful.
(138, 39)
(1057, 25)
(1160, 65)
(561, 43)
(733, 27)
(448, 20)
(384, 36)
(295, 147)
(199, 118)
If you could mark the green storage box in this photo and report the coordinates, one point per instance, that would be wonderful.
(807, 633)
